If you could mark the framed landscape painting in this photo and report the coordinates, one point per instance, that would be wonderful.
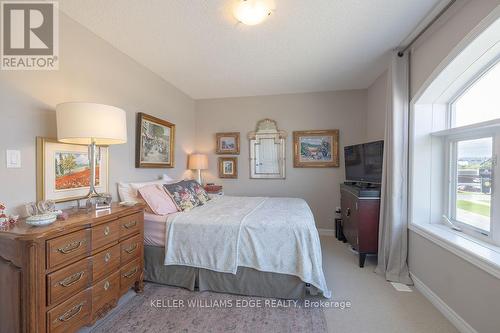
(155, 141)
(228, 143)
(228, 167)
(316, 149)
(63, 170)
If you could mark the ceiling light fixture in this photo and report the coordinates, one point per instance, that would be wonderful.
(251, 12)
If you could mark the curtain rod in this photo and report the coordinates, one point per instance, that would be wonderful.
(404, 49)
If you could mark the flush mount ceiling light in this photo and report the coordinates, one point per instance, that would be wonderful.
(252, 12)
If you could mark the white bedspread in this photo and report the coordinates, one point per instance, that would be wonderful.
(267, 234)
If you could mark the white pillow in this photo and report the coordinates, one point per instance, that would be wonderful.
(128, 191)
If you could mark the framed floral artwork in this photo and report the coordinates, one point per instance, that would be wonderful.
(228, 167)
(63, 170)
(228, 143)
(155, 142)
(316, 149)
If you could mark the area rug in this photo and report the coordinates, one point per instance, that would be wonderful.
(170, 309)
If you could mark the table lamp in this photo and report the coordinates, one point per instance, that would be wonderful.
(198, 162)
(91, 124)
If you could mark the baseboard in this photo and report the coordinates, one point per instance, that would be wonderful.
(457, 321)
(326, 232)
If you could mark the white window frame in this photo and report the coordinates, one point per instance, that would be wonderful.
(451, 142)
(481, 130)
(430, 123)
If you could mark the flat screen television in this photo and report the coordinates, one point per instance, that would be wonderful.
(363, 162)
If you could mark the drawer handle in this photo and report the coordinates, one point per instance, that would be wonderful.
(106, 285)
(71, 280)
(106, 231)
(71, 313)
(131, 248)
(131, 273)
(130, 224)
(107, 257)
(73, 246)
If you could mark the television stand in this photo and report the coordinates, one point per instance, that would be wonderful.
(360, 217)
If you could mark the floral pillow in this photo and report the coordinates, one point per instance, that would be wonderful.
(184, 198)
(197, 189)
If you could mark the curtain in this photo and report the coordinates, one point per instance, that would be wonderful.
(393, 225)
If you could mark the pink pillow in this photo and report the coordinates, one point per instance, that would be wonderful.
(157, 199)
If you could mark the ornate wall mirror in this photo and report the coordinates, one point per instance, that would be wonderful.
(267, 151)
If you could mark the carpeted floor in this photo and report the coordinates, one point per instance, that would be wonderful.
(168, 309)
(375, 307)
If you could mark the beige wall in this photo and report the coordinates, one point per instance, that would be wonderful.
(90, 70)
(376, 108)
(471, 292)
(344, 110)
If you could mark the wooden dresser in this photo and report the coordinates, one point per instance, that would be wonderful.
(67, 275)
(360, 218)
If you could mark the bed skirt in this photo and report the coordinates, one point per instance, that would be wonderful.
(247, 281)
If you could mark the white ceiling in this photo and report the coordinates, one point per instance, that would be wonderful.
(306, 45)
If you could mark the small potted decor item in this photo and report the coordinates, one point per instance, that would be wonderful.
(41, 213)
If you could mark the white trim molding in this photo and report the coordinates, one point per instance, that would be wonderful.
(457, 321)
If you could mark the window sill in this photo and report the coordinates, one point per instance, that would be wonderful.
(481, 254)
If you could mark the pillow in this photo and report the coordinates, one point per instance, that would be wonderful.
(157, 199)
(128, 191)
(182, 196)
(197, 189)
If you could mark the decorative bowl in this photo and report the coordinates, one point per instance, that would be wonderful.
(42, 219)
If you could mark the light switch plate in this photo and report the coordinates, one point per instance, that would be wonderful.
(13, 158)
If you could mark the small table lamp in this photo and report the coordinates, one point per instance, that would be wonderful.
(91, 124)
(198, 162)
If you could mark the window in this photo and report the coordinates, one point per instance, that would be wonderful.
(454, 177)
(480, 102)
(472, 155)
(471, 183)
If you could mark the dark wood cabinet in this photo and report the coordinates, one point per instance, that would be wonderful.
(360, 218)
(61, 277)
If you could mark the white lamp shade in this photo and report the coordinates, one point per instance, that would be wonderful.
(84, 123)
(198, 162)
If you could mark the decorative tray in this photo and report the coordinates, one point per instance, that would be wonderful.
(42, 219)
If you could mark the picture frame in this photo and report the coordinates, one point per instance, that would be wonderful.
(63, 171)
(228, 167)
(155, 142)
(227, 143)
(316, 149)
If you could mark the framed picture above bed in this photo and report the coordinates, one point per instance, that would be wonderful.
(228, 143)
(228, 167)
(63, 170)
(155, 142)
(316, 149)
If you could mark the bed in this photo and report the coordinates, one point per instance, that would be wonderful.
(254, 246)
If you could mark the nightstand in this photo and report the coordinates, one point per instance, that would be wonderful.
(214, 189)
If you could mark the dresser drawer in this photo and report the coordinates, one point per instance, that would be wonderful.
(130, 225)
(129, 274)
(105, 234)
(131, 248)
(70, 315)
(65, 248)
(106, 262)
(105, 295)
(68, 281)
